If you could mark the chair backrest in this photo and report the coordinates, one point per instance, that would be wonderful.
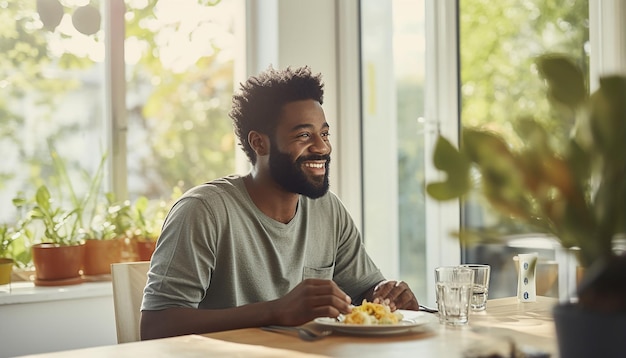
(129, 280)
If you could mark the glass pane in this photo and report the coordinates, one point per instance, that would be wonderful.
(180, 57)
(409, 47)
(393, 44)
(51, 80)
(499, 82)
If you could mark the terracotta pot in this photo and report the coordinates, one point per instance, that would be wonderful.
(6, 268)
(58, 265)
(129, 250)
(145, 248)
(100, 254)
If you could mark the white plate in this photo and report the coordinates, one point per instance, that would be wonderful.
(412, 321)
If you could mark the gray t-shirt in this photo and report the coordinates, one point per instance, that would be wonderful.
(218, 250)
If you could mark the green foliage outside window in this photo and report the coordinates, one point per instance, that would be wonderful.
(179, 132)
(499, 44)
(191, 139)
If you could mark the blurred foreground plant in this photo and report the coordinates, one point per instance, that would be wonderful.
(573, 188)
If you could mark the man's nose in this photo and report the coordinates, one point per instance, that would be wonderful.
(320, 145)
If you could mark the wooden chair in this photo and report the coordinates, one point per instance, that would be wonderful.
(129, 280)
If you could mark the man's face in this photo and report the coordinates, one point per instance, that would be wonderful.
(300, 149)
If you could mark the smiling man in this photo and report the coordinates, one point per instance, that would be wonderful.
(274, 246)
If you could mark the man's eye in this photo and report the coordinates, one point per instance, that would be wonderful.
(304, 135)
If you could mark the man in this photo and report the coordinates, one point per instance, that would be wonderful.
(271, 247)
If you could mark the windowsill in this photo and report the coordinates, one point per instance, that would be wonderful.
(26, 292)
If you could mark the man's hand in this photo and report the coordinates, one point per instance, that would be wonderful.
(396, 294)
(312, 298)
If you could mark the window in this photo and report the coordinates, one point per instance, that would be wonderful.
(176, 61)
(499, 82)
(411, 72)
(52, 83)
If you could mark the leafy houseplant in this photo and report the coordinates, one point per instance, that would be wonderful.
(107, 241)
(146, 219)
(64, 226)
(7, 237)
(100, 232)
(58, 258)
(572, 187)
(59, 228)
(13, 245)
(14, 249)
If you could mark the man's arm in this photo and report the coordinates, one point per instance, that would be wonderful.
(312, 298)
(178, 321)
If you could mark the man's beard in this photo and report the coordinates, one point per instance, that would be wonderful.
(292, 178)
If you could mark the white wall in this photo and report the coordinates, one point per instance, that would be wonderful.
(46, 319)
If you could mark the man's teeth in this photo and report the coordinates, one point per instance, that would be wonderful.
(314, 165)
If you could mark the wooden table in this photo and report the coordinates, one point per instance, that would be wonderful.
(528, 324)
(189, 346)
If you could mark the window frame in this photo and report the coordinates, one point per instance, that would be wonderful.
(115, 116)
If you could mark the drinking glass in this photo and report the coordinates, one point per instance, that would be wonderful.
(454, 291)
(480, 290)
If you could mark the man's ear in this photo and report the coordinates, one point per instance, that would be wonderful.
(259, 142)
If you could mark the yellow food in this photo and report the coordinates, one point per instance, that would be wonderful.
(372, 313)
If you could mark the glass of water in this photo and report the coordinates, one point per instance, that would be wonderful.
(454, 292)
(480, 290)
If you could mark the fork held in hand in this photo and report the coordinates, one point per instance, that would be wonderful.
(304, 333)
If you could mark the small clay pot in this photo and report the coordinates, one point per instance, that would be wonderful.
(58, 264)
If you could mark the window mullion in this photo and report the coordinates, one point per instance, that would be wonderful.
(115, 96)
(442, 117)
(607, 35)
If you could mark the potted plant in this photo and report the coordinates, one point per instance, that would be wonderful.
(7, 237)
(102, 243)
(58, 225)
(574, 189)
(146, 221)
(59, 256)
(106, 237)
(14, 250)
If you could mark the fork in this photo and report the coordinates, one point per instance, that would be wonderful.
(304, 333)
(428, 309)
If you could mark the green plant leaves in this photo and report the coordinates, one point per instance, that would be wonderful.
(608, 107)
(456, 166)
(60, 226)
(565, 80)
(42, 198)
(572, 186)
